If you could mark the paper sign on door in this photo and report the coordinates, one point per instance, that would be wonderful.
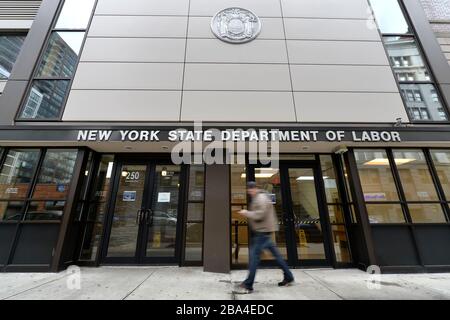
(129, 196)
(164, 197)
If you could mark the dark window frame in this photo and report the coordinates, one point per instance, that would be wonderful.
(343, 203)
(86, 200)
(34, 78)
(403, 202)
(413, 34)
(186, 221)
(32, 185)
(4, 32)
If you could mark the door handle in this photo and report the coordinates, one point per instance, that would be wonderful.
(149, 217)
(143, 217)
(138, 216)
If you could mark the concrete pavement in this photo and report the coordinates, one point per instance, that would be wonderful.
(167, 283)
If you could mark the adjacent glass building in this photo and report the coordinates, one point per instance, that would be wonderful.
(339, 110)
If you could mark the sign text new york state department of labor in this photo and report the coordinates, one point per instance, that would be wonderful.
(236, 135)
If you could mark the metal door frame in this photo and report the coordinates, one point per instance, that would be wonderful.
(291, 247)
(141, 241)
(295, 257)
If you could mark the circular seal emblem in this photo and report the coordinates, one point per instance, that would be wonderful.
(236, 25)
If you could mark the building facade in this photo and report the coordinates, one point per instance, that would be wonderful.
(438, 13)
(128, 131)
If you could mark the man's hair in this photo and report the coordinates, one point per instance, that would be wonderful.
(252, 185)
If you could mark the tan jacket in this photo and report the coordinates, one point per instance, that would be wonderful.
(261, 216)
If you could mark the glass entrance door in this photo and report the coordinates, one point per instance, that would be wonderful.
(128, 209)
(144, 214)
(162, 217)
(305, 216)
(298, 201)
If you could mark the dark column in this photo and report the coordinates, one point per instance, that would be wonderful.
(22, 72)
(217, 246)
(433, 51)
(362, 216)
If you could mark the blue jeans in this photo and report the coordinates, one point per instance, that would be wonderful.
(262, 241)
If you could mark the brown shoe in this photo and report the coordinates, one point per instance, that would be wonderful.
(286, 282)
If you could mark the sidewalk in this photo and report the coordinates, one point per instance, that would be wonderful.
(193, 284)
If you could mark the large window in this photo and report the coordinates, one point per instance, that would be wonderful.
(335, 210)
(239, 225)
(195, 214)
(400, 185)
(32, 192)
(56, 69)
(93, 205)
(416, 83)
(10, 45)
(380, 192)
(418, 186)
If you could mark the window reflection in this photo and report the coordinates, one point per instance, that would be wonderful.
(385, 213)
(47, 95)
(377, 182)
(329, 179)
(75, 14)
(195, 214)
(162, 229)
(421, 202)
(336, 213)
(389, 16)
(55, 174)
(441, 160)
(422, 102)
(196, 183)
(97, 208)
(45, 210)
(426, 213)
(10, 46)
(376, 176)
(335, 210)
(406, 59)
(50, 180)
(11, 210)
(341, 244)
(17, 172)
(45, 100)
(61, 56)
(415, 175)
(194, 242)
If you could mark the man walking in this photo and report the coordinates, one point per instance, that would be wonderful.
(263, 222)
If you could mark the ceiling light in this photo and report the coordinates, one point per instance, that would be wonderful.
(259, 175)
(308, 178)
(305, 178)
(385, 162)
(263, 173)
